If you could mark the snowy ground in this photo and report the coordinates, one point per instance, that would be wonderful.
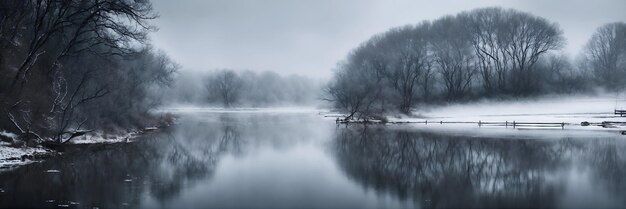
(11, 157)
(102, 138)
(568, 110)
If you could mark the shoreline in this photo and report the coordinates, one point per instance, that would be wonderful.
(14, 157)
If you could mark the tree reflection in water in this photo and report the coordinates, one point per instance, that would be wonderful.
(159, 165)
(440, 170)
(179, 166)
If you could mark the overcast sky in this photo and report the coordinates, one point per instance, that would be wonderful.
(310, 37)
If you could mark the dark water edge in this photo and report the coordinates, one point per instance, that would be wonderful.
(233, 160)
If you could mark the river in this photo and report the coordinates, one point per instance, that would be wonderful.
(301, 160)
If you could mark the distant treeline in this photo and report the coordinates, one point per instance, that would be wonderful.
(72, 65)
(230, 88)
(483, 53)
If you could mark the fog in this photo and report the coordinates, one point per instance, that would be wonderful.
(312, 104)
(315, 39)
(309, 37)
(486, 53)
(228, 88)
(68, 70)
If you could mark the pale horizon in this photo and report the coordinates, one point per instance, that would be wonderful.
(309, 37)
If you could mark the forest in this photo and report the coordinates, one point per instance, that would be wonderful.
(74, 67)
(228, 88)
(312, 104)
(486, 53)
(69, 67)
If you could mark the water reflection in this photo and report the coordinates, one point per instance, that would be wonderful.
(439, 170)
(303, 161)
(114, 176)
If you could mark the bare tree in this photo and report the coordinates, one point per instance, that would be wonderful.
(508, 44)
(493, 47)
(606, 54)
(531, 37)
(65, 54)
(225, 86)
(452, 54)
(493, 61)
(112, 23)
(354, 90)
(560, 75)
(408, 62)
(67, 111)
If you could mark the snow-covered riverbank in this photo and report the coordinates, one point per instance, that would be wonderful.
(569, 111)
(12, 155)
(548, 109)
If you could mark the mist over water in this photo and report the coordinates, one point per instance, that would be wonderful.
(312, 104)
(286, 160)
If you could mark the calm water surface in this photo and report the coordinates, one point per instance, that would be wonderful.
(300, 160)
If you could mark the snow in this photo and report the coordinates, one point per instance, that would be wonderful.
(99, 137)
(8, 134)
(11, 156)
(63, 203)
(463, 119)
(568, 109)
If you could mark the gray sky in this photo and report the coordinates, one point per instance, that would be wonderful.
(310, 37)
